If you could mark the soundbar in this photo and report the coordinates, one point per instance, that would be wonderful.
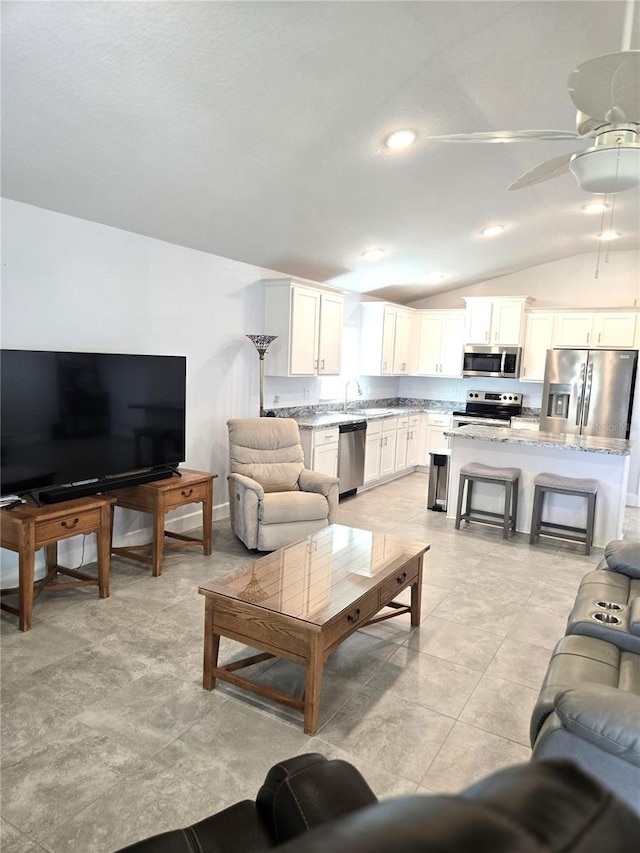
(94, 487)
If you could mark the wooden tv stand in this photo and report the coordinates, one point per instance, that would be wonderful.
(157, 498)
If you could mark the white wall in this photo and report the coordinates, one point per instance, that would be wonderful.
(69, 284)
(569, 282)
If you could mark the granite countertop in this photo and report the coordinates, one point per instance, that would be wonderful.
(585, 443)
(329, 419)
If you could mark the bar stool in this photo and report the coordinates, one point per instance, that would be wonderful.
(564, 486)
(508, 477)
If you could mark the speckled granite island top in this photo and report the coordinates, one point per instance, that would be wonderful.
(585, 443)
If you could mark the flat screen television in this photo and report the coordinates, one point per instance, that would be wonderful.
(75, 423)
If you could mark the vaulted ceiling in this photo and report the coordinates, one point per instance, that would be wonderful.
(255, 130)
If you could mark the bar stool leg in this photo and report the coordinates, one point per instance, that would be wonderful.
(591, 515)
(536, 515)
(514, 508)
(460, 497)
(506, 518)
(470, 484)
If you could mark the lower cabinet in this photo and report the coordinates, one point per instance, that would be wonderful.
(372, 451)
(388, 448)
(321, 449)
(436, 439)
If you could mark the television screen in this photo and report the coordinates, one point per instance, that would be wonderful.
(72, 417)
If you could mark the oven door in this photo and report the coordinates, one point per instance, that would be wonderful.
(462, 420)
(492, 361)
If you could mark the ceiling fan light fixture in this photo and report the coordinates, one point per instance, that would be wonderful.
(609, 235)
(492, 230)
(373, 254)
(434, 278)
(594, 207)
(605, 170)
(400, 139)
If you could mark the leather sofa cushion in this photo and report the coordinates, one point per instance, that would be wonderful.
(623, 555)
(605, 716)
(282, 507)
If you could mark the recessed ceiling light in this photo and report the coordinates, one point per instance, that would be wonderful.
(400, 139)
(594, 207)
(492, 230)
(434, 277)
(373, 254)
(608, 235)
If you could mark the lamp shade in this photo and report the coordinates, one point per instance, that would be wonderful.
(610, 169)
(262, 342)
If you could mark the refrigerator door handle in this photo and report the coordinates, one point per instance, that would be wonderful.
(583, 368)
(587, 399)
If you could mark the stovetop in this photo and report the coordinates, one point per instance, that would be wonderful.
(492, 404)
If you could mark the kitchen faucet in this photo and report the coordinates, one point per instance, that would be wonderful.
(346, 391)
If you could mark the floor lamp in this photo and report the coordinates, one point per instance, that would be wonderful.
(261, 343)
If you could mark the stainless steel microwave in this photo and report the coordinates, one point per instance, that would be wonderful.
(502, 362)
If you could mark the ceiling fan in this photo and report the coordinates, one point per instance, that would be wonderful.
(606, 92)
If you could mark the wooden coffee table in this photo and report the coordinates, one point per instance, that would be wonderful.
(301, 602)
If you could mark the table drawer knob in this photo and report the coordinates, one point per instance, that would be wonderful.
(69, 524)
(354, 617)
(401, 578)
(186, 493)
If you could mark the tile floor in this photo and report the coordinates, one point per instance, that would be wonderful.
(108, 737)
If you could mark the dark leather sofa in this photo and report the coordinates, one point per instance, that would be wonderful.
(308, 804)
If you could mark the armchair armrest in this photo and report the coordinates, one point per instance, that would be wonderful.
(314, 481)
(243, 482)
(607, 717)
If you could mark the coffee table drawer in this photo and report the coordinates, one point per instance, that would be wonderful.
(352, 619)
(398, 581)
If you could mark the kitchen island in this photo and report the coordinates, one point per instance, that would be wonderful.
(603, 459)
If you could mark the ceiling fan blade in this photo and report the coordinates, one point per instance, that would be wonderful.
(607, 87)
(506, 136)
(543, 172)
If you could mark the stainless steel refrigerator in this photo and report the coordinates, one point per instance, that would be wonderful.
(589, 392)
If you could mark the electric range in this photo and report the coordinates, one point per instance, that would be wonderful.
(489, 408)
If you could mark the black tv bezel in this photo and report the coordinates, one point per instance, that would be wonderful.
(59, 492)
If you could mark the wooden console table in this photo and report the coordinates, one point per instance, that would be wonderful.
(27, 528)
(182, 488)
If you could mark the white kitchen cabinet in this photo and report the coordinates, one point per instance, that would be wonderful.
(573, 329)
(614, 329)
(538, 339)
(388, 447)
(308, 322)
(440, 343)
(436, 439)
(495, 322)
(321, 449)
(413, 441)
(386, 339)
(402, 436)
(372, 451)
(525, 423)
(595, 329)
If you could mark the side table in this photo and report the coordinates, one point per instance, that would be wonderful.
(184, 487)
(27, 528)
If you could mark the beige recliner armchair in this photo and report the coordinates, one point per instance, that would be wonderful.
(273, 499)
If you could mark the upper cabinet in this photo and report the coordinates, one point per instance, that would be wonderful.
(308, 323)
(440, 343)
(596, 329)
(538, 338)
(493, 321)
(386, 339)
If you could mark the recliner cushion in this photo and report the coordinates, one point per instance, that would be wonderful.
(283, 507)
(268, 450)
(623, 555)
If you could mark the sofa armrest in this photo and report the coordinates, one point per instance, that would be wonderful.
(314, 481)
(242, 482)
(606, 716)
(623, 555)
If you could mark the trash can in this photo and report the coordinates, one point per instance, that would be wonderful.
(438, 480)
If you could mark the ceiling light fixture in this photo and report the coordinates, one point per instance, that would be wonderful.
(373, 254)
(492, 230)
(594, 207)
(608, 235)
(400, 139)
(434, 277)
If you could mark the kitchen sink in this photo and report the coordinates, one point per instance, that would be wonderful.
(371, 412)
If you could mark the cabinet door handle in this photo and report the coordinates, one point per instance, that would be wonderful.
(69, 525)
(384, 365)
(186, 493)
(599, 336)
(588, 336)
(322, 364)
(354, 617)
(401, 578)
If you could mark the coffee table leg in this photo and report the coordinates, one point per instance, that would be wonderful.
(211, 646)
(416, 597)
(313, 685)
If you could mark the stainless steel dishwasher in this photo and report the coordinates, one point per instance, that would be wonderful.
(351, 457)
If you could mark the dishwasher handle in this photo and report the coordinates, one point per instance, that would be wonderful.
(353, 427)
